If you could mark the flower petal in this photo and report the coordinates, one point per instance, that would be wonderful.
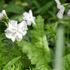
(10, 35)
(12, 24)
(24, 33)
(22, 26)
(4, 13)
(29, 18)
(30, 13)
(60, 15)
(1, 16)
(13, 38)
(19, 37)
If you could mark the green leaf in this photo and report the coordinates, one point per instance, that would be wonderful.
(13, 8)
(37, 49)
(67, 62)
(38, 31)
(9, 51)
(10, 63)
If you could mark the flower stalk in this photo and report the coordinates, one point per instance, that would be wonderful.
(59, 48)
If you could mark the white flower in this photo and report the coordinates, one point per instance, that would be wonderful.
(16, 31)
(29, 18)
(61, 12)
(68, 13)
(61, 9)
(2, 14)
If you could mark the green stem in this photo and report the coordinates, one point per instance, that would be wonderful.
(5, 23)
(59, 48)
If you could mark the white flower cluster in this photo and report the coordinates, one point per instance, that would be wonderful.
(61, 9)
(15, 31)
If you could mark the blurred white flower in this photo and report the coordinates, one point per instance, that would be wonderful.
(16, 31)
(2, 14)
(68, 13)
(61, 9)
(29, 18)
(61, 12)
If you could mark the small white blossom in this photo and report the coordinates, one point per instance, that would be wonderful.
(68, 13)
(2, 14)
(29, 18)
(16, 31)
(61, 12)
(61, 9)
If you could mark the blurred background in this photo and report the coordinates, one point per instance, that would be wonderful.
(39, 7)
(48, 10)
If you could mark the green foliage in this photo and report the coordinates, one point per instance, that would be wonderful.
(10, 63)
(37, 50)
(13, 8)
(50, 30)
(67, 62)
(10, 54)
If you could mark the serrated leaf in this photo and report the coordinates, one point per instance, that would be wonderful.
(37, 50)
(9, 51)
(10, 63)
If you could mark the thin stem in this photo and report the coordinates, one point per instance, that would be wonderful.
(5, 23)
(59, 48)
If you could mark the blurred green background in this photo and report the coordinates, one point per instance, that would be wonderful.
(48, 10)
(16, 7)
